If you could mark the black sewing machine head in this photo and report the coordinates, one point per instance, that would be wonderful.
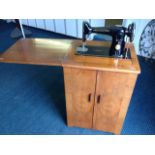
(120, 35)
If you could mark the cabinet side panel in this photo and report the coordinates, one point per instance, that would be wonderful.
(79, 90)
(130, 83)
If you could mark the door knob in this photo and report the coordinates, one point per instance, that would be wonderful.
(89, 97)
(98, 98)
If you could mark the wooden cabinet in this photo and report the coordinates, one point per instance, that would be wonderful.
(98, 89)
(97, 99)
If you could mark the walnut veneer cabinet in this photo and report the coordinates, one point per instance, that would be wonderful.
(98, 89)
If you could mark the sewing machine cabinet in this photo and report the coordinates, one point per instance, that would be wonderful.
(98, 90)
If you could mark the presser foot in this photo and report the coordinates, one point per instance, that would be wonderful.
(82, 48)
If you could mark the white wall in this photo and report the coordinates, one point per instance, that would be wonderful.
(71, 27)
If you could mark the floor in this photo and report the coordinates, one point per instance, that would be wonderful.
(32, 97)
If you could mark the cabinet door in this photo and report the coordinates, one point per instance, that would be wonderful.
(113, 92)
(79, 90)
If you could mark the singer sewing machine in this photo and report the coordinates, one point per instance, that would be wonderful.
(120, 36)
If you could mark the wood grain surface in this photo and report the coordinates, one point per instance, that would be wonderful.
(37, 51)
(61, 52)
(115, 91)
(80, 90)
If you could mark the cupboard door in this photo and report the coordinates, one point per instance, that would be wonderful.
(113, 92)
(79, 90)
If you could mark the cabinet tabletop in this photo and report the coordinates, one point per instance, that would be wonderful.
(61, 52)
